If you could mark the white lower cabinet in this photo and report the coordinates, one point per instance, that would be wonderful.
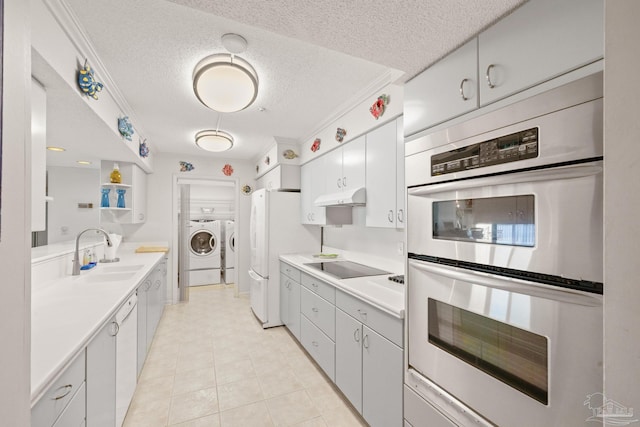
(59, 395)
(101, 377)
(356, 344)
(74, 414)
(349, 358)
(143, 297)
(382, 378)
(290, 304)
(319, 346)
(369, 360)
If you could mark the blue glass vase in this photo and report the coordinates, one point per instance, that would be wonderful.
(120, 197)
(104, 202)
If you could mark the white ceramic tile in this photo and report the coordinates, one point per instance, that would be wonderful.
(239, 393)
(254, 415)
(208, 421)
(292, 408)
(192, 405)
(193, 380)
(234, 371)
(279, 382)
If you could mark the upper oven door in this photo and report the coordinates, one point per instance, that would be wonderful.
(546, 221)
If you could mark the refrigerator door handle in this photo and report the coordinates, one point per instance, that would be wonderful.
(256, 276)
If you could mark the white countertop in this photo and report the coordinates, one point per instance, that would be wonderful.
(67, 314)
(378, 291)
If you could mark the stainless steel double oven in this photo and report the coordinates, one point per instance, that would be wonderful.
(504, 284)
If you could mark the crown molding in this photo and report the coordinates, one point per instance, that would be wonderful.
(390, 77)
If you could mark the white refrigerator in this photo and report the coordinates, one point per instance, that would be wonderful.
(275, 229)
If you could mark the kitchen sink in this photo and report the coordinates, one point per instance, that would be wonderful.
(120, 268)
(108, 277)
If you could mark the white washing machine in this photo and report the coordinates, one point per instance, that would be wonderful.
(230, 252)
(204, 252)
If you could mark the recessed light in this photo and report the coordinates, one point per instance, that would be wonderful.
(83, 162)
(56, 149)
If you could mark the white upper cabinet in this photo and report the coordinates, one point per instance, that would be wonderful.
(345, 167)
(447, 89)
(312, 185)
(385, 176)
(139, 196)
(541, 40)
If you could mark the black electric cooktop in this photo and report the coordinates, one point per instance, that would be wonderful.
(346, 269)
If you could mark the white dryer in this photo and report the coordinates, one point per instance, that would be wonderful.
(230, 252)
(204, 252)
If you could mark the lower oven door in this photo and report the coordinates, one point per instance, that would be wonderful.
(511, 350)
(547, 221)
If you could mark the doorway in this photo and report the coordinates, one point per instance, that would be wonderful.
(205, 214)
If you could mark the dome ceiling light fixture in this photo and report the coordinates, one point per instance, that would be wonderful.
(225, 82)
(214, 140)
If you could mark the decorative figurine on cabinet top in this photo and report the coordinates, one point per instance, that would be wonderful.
(125, 127)
(316, 145)
(340, 134)
(246, 190)
(87, 82)
(378, 107)
(289, 154)
(227, 170)
(186, 167)
(144, 149)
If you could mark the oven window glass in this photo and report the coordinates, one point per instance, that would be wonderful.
(498, 220)
(512, 355)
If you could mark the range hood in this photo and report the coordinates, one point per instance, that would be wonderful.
(351, 197)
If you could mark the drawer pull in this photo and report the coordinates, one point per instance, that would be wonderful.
(314, 343)
(315, 310)
(67, 389)
(356, 335)
(362, 313)
(315, 285)
(365, 341)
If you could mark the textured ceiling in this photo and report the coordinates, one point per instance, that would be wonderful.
(311, 58)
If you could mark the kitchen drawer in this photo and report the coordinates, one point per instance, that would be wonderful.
(290, 271)
(59, 394)
(74, 414)
(418, 411)
(319, 346)
(321, 312)
(319, 287)
(385, 324)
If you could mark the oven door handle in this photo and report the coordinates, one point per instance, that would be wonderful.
(508, 284)
(547, 174)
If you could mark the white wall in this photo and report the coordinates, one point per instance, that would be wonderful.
(159, 225)
(622, 203)
(68, 187)
(15, 217)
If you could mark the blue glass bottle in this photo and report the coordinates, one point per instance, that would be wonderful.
(120, 197)
(104, 202)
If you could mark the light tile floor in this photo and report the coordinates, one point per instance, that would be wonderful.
(211, 364)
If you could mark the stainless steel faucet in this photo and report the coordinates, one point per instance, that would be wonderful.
(76, 256)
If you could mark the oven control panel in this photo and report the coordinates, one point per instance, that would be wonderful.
(505, 149)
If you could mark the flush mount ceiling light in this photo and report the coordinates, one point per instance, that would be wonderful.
(225, 83)
(214, 140)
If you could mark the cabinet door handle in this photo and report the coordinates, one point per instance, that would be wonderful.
(464, 98)
(314, 309)
(339, 183)
(390, 216)
(141, 216)
(116, 329)
(66, 389)
(344, 181)
(362, 313)
(356, 335)
(314, 343)
(365, 341)
(400, 215)
(488, 76)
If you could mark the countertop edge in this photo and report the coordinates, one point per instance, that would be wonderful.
(338, 284)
